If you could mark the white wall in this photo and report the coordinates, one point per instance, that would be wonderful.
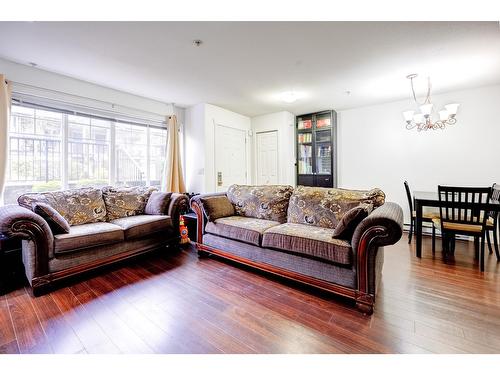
(194, 137)
(375, 149)
(282, 122)
(201, 120)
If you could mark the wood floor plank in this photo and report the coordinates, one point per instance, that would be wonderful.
(28, 330)
(59, 333)
(181, 304)
(9, 348)
(7, 334)
(81, 321)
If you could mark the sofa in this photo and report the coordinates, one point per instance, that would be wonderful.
(69, 232)
(332, 239)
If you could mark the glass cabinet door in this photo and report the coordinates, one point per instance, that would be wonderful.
(323, 150)
(305, 160)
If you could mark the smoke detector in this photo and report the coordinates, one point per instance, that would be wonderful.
(197, 42)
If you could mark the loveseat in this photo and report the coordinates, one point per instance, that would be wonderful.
(65, 233)
(332, 239)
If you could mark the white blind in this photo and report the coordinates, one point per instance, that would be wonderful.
(72, 104)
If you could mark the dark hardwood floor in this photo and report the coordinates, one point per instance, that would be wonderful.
(180, 304)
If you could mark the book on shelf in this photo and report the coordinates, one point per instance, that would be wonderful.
(324, 151)
(305, 151)
(305, 124)
(305, 138)
(323, 123)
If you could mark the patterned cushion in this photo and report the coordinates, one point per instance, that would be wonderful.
(77, 206)
(240, 228)
(306, 240)
(56, 222)
(217, 207)
(324, 207)
(144, 225)
(269, 202)
(87, 235)
(158, 203)
(349, 222)
(122, 202)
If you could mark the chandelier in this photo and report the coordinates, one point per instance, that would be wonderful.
(423, 120)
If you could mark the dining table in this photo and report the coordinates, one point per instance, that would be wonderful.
(431, 199)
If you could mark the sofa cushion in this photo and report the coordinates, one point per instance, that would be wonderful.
(347, 225)
(143, 225)
(87, 235)
(269, 202)
(127, 201)
(158, 203)
(217, 207)
(57, 223)
(245, 229)
(77, 206)
(324, 207)
(312, 241)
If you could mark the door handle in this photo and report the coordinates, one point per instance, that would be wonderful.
(219, 178)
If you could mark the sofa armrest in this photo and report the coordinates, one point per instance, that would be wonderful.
(17, 221)
(178, 205)
(383, 227)
(201, 215)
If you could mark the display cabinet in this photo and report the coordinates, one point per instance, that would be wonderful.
(316, 139)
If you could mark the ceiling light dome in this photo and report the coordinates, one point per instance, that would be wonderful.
(290, 96)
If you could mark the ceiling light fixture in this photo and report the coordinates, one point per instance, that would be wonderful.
(290, 96)
(422, 121)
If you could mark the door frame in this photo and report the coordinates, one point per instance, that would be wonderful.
(247, 166)
(256, 150)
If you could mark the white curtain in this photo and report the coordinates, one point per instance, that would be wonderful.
(173, 180)
(5, 96)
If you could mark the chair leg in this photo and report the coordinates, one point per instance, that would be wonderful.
(476, 247)
(411, 230)
(495, 243)
(433, 239)
(444, 242)
(489, 241)
(452, 240)
(481, 260)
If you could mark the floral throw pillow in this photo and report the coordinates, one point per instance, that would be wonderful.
(269, 202)
(77, 206)
(325, 207)
(128, 201)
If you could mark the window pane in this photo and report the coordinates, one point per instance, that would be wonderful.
(158, 145)
(35, 147)
(131, 154)
(88, 151)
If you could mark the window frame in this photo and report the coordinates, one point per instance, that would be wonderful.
(114, 123)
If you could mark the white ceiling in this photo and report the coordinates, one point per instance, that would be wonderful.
(244, 66)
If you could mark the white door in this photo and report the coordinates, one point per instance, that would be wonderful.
(267, 158)
(230, 157)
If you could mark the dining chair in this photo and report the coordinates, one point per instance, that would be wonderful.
(492, 221)
(467, 219)
(427, 217)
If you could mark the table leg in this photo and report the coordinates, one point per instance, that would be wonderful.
(418, 228)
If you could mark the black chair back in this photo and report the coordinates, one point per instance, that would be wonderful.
(469, 200)
(408, 195)
(495, 198)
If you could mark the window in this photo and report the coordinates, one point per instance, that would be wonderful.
(51, 150)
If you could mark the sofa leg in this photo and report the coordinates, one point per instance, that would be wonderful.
(202, 254)
(364, 308)
(364, 303)
(40, 288)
